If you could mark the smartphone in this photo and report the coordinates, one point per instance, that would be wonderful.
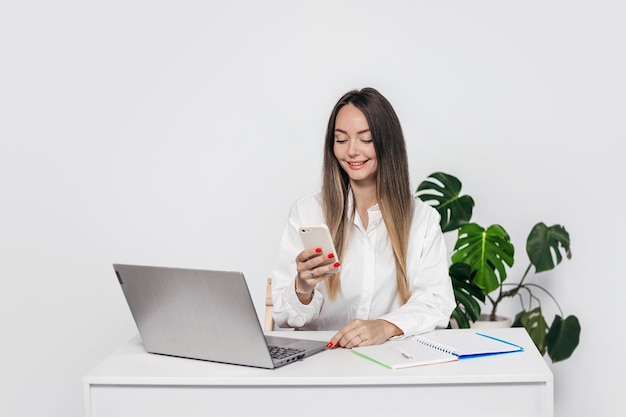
(318, 236)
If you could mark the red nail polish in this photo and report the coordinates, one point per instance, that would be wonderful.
(331, 255)
(318, 250)
(330, 345)
(336, 264)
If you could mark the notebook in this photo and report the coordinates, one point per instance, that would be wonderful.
(204, 314)
(438, 346)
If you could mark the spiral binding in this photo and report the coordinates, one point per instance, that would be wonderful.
(436, 345)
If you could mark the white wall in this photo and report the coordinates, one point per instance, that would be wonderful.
(178, 133)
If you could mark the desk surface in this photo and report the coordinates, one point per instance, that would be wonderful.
(131, 364)
(132, 382)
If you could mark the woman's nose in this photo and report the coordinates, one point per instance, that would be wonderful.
(353, 147)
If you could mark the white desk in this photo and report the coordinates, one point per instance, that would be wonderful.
(132, 382)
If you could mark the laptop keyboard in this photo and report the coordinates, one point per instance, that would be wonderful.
(281, 352)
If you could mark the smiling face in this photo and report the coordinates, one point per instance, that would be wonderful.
(354, 146)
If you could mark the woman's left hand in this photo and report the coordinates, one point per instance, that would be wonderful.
(363, 333)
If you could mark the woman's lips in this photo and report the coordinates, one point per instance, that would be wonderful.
(356, 164)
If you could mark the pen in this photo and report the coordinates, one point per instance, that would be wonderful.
(403, 352)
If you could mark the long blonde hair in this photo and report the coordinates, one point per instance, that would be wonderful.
(393, 189)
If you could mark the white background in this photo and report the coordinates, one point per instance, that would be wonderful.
(179, 133)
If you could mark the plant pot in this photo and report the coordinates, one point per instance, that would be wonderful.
(483, 322)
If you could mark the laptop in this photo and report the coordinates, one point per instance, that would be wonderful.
(206, 315)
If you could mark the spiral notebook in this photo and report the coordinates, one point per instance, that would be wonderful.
(438, 346)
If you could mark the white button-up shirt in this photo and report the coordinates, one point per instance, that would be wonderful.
(368, 274)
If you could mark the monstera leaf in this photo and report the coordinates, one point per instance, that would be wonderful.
(563, 337)
(559, 340)
(536, 326)
(442, 191)
(543, 241)
(487, 252)
(467, 295)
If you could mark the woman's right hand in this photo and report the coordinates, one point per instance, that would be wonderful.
(314, 266)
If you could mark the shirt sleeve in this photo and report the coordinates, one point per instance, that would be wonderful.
(287, 309)
(432, 297)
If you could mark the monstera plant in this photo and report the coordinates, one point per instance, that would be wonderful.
(481, 260)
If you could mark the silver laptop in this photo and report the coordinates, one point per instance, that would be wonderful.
(202, 314)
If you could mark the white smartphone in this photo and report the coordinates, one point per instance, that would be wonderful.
(318, 236)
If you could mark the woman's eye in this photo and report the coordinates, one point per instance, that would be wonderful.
(339, 140)
(367, 140)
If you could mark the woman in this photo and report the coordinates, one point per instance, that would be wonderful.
(394, 271)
